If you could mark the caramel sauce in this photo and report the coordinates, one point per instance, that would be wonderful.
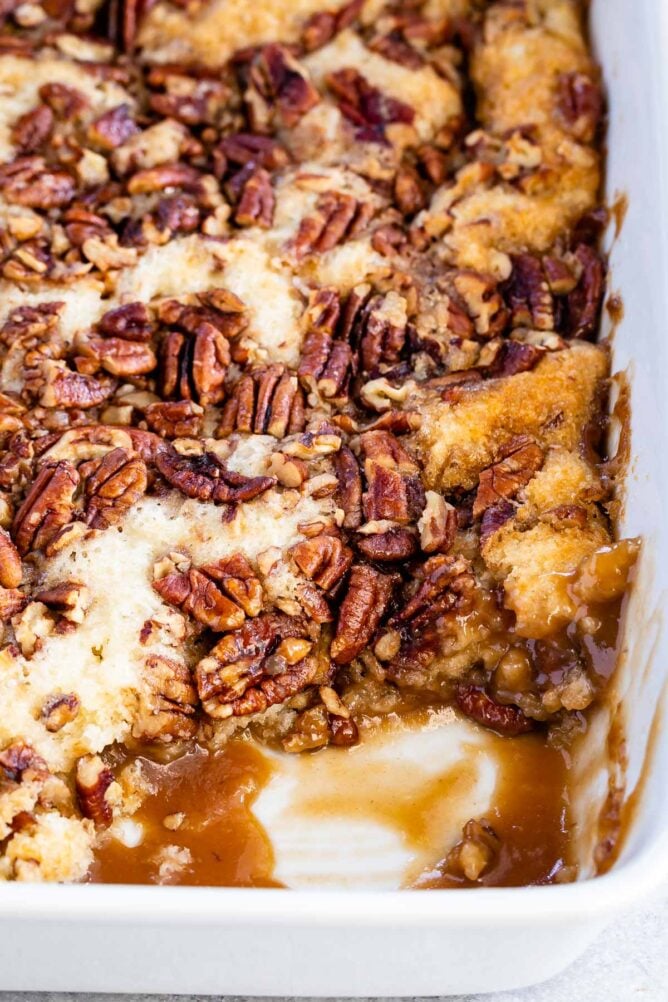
(216, 793)
(618, 211)
(530, 816)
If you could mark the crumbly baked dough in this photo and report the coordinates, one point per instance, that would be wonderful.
(297, 386)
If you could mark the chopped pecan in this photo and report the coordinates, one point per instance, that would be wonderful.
(178, 214)
(20, 762)
(113, 128)
(157, 179)
(529, 294)
(350, 487)
(580, 103)
(12, 602)
(93, 779)
(29, 181)
(482, 301)
(217, 595)
(256, 200)
(69, 598)
(394, 488)
(11, 569)
(33, 128)
(493, 518)
(179, 419)
(278, 83)
(479, 706)
(65, 102)
(326, 365)
(446, 584)
(167, 703)
(47, 507)
(366, 600)
(408, 192)
(59, 710)
(322, 26)
(395, 543)
(584, 302)
(113, 485)
(337, 217)
(325, 559)
(262, 663)
(475, 852)
(520, 461)
(437, 524)
(206, 477)
(265, 401)
(366, 106)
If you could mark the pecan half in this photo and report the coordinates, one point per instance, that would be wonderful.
(477, 704)
(242, 148)
(493, 518)
(93, 779)
(437, 524)
(325, 559)
(366, 106)
(521, 459)
(206, 478)
(388, 546)
(366, 600)
(113, 128)
(11, 569)
(326, 366)
(64, 388)
(262, 663)
(337, 217)
(584, 302)
(265, 401)
(120, 357)
(322, 26)
(256, 200)
(33, 128)
(394, 488)
(132, 322)
(278, 84)
(381, 331)
(29, 181)
(349, 495)
(529, 294)
(195, 357)
(113, 485)
(580, 103)
(447, 584)
(218, 595)
(514, 357)
(168, 702)
(48, 506)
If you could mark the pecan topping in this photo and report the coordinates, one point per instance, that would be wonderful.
(408, 192)
(580, 104)
(529, 294)
(393, 544)
(93, 779)
(337, 217)
(366, 600)
(33, 128)
(113, 485)
(256, 200)
(520, 460)
(167, 706)
(19, 761)
(447, 585)
(493, 518)
(65, 388)
(479, 706)
(482, 302)
(205, 477)
(324, 559)
(28, 181)
(59, 710)
(514, 357)
(262, 663)
(266, 401)
(11, 570)
(394, 489)
(321, 27)
(584, 302)
(381, 330)
(69, 598)
(113, 128)
(131, 322)
(179, 419)
(475, 852)
(243, 148)
(195, 356)
(326, 366)
(218, 595)
(278, 83)
(120, 357)
(365, 106)
(349, 494)
(47, 507)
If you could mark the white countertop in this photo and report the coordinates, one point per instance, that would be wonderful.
(628, 962)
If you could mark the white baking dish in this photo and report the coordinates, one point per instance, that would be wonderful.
(268, 942)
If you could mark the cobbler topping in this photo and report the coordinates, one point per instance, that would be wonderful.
(301, 406)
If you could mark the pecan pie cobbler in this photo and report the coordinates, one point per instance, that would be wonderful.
(302, 409)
